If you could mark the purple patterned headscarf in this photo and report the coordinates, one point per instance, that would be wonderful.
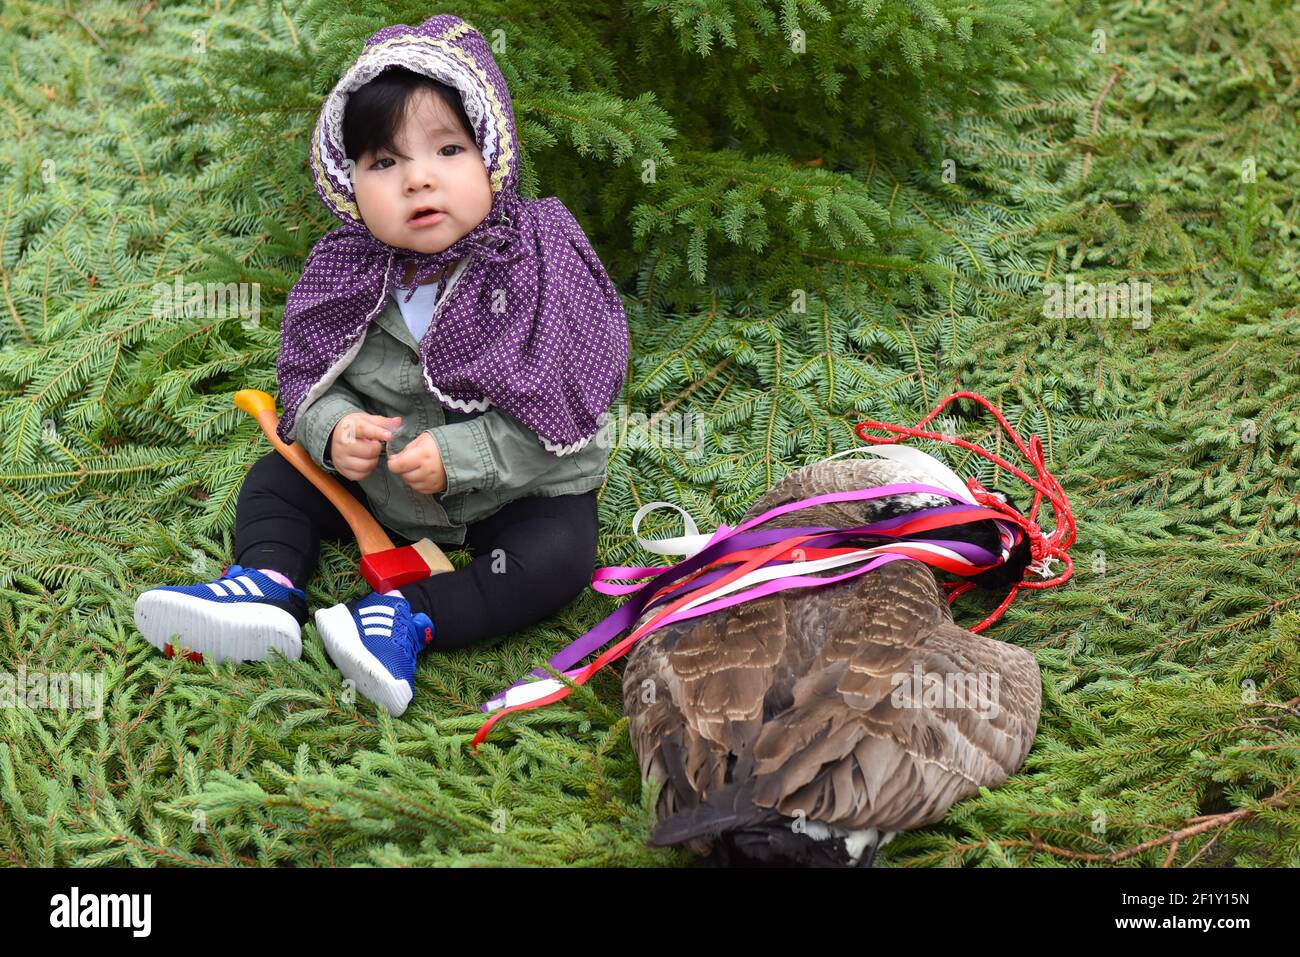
(554, 358)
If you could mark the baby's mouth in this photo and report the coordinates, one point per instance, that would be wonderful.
(425, 215)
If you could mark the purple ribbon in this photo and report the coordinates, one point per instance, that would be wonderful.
(737, 539)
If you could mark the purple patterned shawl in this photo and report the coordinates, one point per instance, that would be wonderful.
(554, 358)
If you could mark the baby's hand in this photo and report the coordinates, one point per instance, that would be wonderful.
(356, 443)
(420, 465)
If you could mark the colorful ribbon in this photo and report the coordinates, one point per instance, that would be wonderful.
(737, 564)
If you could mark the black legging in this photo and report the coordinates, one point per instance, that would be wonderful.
(547, 552)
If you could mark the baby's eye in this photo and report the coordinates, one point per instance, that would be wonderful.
(386, 159)
(451, 146)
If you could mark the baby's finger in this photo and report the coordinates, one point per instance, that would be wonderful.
(350, 430)
(372, 429)
(366, 448)
(414, 477)
(410, 462)
(418, 479)
(355, 464)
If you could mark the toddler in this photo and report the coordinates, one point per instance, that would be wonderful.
(449, 354)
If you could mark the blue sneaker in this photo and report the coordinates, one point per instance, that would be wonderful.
(374, 641)
(243, 616)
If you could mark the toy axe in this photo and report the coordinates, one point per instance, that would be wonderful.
(383, 565)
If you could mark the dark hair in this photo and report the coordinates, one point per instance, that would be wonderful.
(375, 112)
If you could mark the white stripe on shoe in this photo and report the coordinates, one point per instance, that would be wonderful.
(377, 621)
(342, 641)
(240, 587)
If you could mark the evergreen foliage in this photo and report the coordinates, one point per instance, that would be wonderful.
(794, 260)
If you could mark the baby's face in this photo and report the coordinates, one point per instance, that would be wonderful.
(438, 166)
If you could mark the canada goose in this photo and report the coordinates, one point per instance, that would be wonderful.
(792, 728)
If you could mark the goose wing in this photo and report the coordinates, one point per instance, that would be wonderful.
(896, 722)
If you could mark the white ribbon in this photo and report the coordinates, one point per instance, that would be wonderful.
(687, 544)
(939, 475)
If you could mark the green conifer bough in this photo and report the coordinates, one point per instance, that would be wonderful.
(817, 213)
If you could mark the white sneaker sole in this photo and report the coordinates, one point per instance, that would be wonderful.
(216, 631)
(338, 632)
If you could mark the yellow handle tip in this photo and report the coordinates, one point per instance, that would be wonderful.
(254, 401)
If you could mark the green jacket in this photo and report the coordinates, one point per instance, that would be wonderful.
(491, 458)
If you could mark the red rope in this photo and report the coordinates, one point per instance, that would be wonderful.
(1042, 547)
